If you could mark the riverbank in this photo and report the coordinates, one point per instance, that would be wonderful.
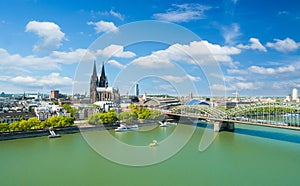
(80, 126)
(37, 133)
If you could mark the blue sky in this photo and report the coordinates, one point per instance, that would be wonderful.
(255, 44)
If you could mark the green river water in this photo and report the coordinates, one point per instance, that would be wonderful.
(252, 155)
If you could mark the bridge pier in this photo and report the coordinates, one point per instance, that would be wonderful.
(223, 126)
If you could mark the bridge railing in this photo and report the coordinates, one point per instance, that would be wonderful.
(272, 113)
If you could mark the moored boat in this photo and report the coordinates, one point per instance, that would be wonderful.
(123, 127)
(166, 124)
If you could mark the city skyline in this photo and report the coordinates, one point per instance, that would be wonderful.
(256, 44)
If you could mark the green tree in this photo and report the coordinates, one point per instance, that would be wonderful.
(94, 119)
(155, 114)
(4, 127)
(144, 113)
(55, 102)
(14, 126)
(105, 118)
(59, 121)
(69, 109)
(35, 123)
(127, 116)
(24, 125)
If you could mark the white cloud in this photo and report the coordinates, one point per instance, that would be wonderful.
(264, 71)
(49, 33)
(247, 86)
(286, 45)
(283, 13)
(29, 61)
(179, 79)
(72, 56)
(115, 63)
(254, 45)
(234, 78)
(153, 61)
(271, 71)
(237, 71)
(196, 52)
(102, 26)
(183, 13)
(218, 87)
(51, 80)
(107, 14)
(175, 79)
(230, 33)
(52, 61)
(115, 51)
(193, 78)
(117, 15)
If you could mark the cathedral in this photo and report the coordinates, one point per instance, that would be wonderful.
(99, 89)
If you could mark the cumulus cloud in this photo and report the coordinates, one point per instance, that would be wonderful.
(183, 13)
(115, 51)
(262, 70)
(254, 45)
(196, 52)
(153, 61)
(30, 61)
(179, 79)
(49, 33)
(102, 26)
(115, 63)
(51, 80)
(57, 58)
(52, 61)
(73, 56)
(286, 45)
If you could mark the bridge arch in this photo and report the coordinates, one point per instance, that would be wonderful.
(203, 110)
(262, 108)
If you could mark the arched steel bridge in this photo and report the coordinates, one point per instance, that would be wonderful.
(277, 114)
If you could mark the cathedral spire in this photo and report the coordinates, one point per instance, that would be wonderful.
(94, 84)
(94, 70)
(103, 79)
(103, 70)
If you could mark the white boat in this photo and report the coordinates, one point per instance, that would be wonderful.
(53, 134)
(153, 144)
(166, 124)
(123, 127)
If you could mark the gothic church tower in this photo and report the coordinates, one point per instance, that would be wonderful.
(93, 85)
(103, 82)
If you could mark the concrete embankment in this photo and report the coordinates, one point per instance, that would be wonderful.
(37, 133)
(79, 127)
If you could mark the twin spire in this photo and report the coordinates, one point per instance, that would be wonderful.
(102, 81)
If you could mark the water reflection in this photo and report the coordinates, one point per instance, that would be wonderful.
(294, 138)
(263, 132)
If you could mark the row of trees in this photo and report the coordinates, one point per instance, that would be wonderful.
(135, 113)
(34, 123)
(105, 118)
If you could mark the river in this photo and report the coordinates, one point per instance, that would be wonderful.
(252, 155)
